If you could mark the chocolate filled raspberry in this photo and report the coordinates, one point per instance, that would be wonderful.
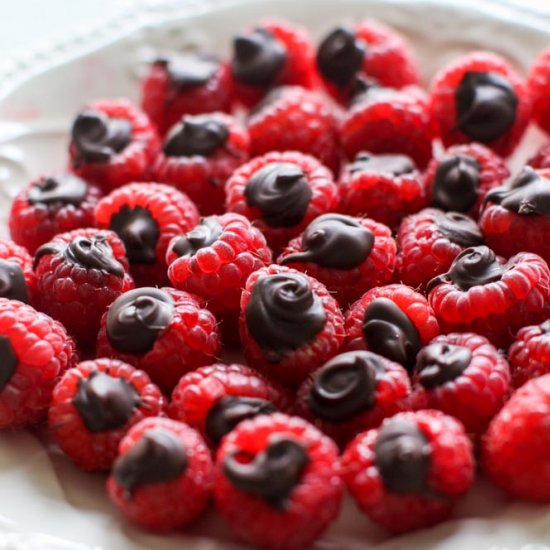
(529, 355)
(17, 278)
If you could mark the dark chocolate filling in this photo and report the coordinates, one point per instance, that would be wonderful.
(203, 235)
(188, 71)
(8, 361)
(12, 282)
(61, 189)
(437, 364)
(196, 135)
(93, 253)
(395, 165)
(458, 228)
(456, 183)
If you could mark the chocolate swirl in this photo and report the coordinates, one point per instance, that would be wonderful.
(94, 253)
(440, 363)
(196, 135)
(186, 71)
(12, 282)
(345, 385)
(485, 105)
(283, 314)
(60, 189)
(137, 317)
(271, 474)
(203, 235)
(8, 361)
(456, 183)
(395, 165)
(458, 228)
(105, 403)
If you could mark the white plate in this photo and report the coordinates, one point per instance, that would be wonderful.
(46, 503)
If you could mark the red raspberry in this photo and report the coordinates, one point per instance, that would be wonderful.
(49, 206)
(409, 473)
(214, 399)
(519, 209)
(515, 453)
(538, 84)
(488, 295)
(291, 118)
(289, 323)
(369, 49)
(162, 478)
(462, 176)
(348, 255)
(383, 187)
(79, 274)
(273, 53)
(214, 259)
(146, 217)
(463, 375)
(393, 321)
(281, 193)
(383, 120)
(479, 97)
(113, 143)
(200, 153)
(429, 241)
(185, 84)
(34, 351)
(353, 392)
(162, 331)
(17, 278)
(277, 482)
(93, 407)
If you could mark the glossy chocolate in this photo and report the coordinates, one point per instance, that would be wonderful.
(485, 105)
(8, 361)
(61, 189)
(345, 386)
(395, 165)
(158, 456)
(281, 192)
(456, 183)
(196, 135)
(334, 241)
(187, 71)
(283, 314)
(203, 235)
(94, 253)
(105, 403)
(389, 332)
(440, 363)
(12, 282)
(232, 409)
(46, 250)
(137, 317)
(272, 474)
(458, 228)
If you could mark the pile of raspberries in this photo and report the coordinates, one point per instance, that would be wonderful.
(359, 243)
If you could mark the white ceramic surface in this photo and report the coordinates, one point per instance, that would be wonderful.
(46, 503)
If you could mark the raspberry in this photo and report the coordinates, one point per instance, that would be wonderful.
(17, 278)
(185, 84)
(34, 350)
(289, 323)
(393, 321)
(538, 84)
(463, 375)
(383, 120)
(200, 153)
(112, 143)
(369, 49)
(348, 255)
(515, 453)
(214, 399)
(277, 482)
(162, 478)
(429, 241)
(51, 205)
(214, 259)
(461, 177)
(79, 274)
(162, 331)
(93, 407)
(541, 159)
(146, 217)
(409, 473)
(353, 392)
(281, 193)
(519, 209)
(479, 97)
(291, 118)
(383, 187)
(274, 53)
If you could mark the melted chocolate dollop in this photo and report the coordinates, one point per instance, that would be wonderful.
(459, 228)
(61, 189)
(395, 165)
(93, 253)
(12, 282)
(456, 183)
(440, 363)
(8, 361)
(187, 71)
(203, 235)
(196, 135)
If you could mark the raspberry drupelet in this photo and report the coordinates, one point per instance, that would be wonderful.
(51, 205)
(214, 399)
(277, 482)
(538, 84)
(200, 153)
(93, 407)
(17, 278)
(147, 216)
(162, 331)
(185, 84)
(281, 193)
(78, 275)
(162, 478)
(480, 97)
(485, 294)
(353, 392)
(112, 143)
(409, 473)
(348, 255)
(289, 323)
(35, 350)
